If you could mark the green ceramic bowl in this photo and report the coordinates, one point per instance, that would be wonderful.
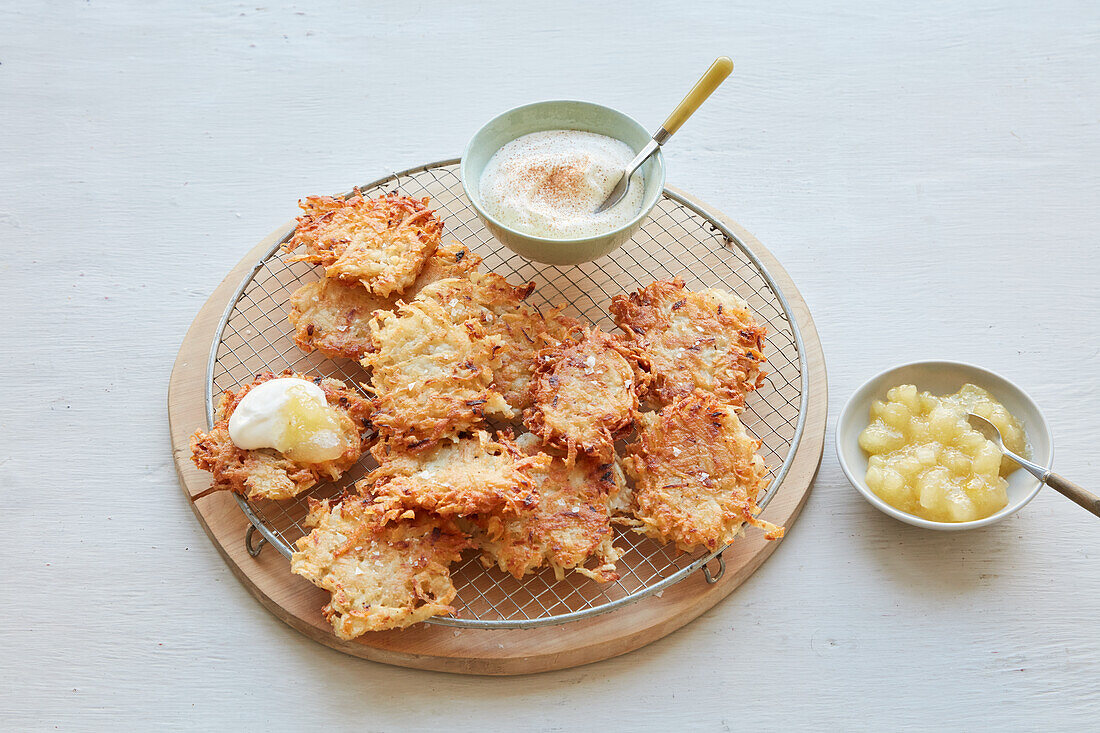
(560, 115)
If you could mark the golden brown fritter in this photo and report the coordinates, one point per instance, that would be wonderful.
(455, 477)
(525, 333)
(477, 295)
(431, 378)
(266, 473)
(570, 524)
(584, 393)
(696, 474)
(705, 340)
(383, 573)
(381, 242)
(495, 304)
(333, 316)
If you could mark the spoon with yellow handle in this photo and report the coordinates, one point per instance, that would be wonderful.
(1063, 486)
(703, 88)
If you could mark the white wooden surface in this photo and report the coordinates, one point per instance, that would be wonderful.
(926, 171)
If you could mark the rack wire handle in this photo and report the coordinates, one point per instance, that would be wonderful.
(713, 578)
(253, 549)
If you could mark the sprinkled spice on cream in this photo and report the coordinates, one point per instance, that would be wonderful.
(549, 184)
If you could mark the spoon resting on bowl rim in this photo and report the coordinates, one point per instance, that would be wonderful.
(1064, 486)
(703, 88)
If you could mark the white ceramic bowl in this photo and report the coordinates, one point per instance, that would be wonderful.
(942, 378)
(560, 115)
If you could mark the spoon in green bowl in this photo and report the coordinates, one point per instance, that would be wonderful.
(1064, 486)
(703, 88)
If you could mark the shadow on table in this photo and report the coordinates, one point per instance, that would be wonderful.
(939, 563)
(392, 692)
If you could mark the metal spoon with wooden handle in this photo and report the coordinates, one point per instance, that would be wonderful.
(1067, 488)
(703, 88)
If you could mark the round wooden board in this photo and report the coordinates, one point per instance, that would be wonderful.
(469, 651)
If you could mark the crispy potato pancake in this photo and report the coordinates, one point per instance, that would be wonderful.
(381, 242)
(584, 393)
(497, 306)
(705, 340)
(570, 524)
(333, 316)
(267, 473)
(460, 477)
(526, 333)
(477, 295)
(431, 378)
(696, 474)
(382, 573)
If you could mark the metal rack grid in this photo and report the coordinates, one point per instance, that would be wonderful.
(678, 239)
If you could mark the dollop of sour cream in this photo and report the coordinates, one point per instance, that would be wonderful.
(290, 415)
(549, 184)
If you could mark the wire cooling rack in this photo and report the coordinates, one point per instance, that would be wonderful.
(679, 239)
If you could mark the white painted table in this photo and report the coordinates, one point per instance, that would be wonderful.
(926, 172)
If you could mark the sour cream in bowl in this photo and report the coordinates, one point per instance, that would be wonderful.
(536, 175)
(549, 184)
